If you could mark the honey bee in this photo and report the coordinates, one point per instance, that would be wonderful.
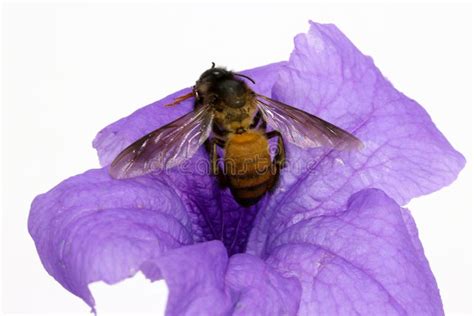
(230, 115)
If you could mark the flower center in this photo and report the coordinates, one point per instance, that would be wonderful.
(231, 225)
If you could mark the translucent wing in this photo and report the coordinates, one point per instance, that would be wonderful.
(165, 147)
(303, 129)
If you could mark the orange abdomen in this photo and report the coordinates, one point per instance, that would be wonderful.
(248, 167)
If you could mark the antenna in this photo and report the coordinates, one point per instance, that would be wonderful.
(246, 77)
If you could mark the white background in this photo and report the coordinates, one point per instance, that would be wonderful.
(69, 70)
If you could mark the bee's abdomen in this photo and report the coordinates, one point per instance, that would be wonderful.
(248, 167)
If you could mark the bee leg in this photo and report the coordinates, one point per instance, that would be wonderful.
(280, 156)
(278, 161)
(215, 168)
(256, 120)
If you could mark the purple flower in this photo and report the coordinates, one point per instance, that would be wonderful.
(331, 239)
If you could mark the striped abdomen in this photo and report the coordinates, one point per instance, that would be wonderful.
(248, 167)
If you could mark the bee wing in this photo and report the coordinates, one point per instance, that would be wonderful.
(165, 147)
(303, 129)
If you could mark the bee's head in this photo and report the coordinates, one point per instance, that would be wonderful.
(219, 85)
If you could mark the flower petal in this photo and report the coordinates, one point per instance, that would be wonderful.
(405, 155)
(92, 227)
(195, 278)
(366, 260)
(258, 289)
(202, 281)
